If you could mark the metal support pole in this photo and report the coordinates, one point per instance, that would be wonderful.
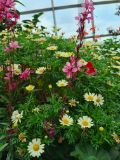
(54, 16)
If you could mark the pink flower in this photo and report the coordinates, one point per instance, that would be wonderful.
(72, 67)
(86, 15)
(12, 86)
(14, 45)
(7, 50)
(8, 14)
(8, 76)
(69, 69)
(25, 74)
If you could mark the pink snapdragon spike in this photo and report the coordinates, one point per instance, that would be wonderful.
(7, 50)
(8, 13)
(86, 15)
(72, 67)
(14, 45)
(25, 74)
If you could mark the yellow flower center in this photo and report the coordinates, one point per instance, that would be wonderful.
(85, 123)
(98, 100)
(36, 147)
(90, 98)
(66, 121)
(62, 84)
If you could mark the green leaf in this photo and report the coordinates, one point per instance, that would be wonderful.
(20, 2)
(3, 147)
(2, 137)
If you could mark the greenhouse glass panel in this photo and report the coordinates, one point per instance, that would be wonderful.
(65, 2)
(66, 21)
(46, 19)
(31, 5)
(104, 16)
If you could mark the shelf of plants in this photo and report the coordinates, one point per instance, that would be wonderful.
(59, 97)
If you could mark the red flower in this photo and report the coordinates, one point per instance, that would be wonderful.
(90, 69)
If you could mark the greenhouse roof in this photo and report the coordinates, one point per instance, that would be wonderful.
(66, 10)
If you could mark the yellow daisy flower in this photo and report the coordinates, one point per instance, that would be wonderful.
(72, 102)
(40, 70)
(30, 88)
(98, 100)
(85, 122)
(52, 48)
(62, 83)
(35, 148)
(66, 120)
(89, 96)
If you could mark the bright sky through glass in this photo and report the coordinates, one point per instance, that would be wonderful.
(104, 15)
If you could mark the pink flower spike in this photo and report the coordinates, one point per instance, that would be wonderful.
(7, 50)
(14, 45)
(25, 74)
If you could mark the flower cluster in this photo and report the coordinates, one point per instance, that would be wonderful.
(86, 15)
(16, 117)
(13, 45)
(92, 97)
(64, 54)
(8, 13)
(84, 122)
(74, 66)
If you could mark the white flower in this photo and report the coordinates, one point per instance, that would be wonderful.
(35, 148)
(85, 122)
(63, 54)
(73, 102)
(40, 70)
(66, 120)
(89, 96)
(16, 117)
(98, 100)
(15, 68)
(62, 83)
(52, 48)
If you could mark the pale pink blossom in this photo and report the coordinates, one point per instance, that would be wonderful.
(7, 50)
(14, 45)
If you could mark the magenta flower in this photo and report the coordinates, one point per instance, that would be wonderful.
(25, 74)
(8, 76)
(12, 86)
(72, 67)
(14, 45)
(86, 15)
(8, 14)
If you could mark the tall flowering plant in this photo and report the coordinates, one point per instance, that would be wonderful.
(8, 14)
(83, 17)
(72, 68)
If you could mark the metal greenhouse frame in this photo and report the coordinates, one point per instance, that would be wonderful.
(54, 8)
